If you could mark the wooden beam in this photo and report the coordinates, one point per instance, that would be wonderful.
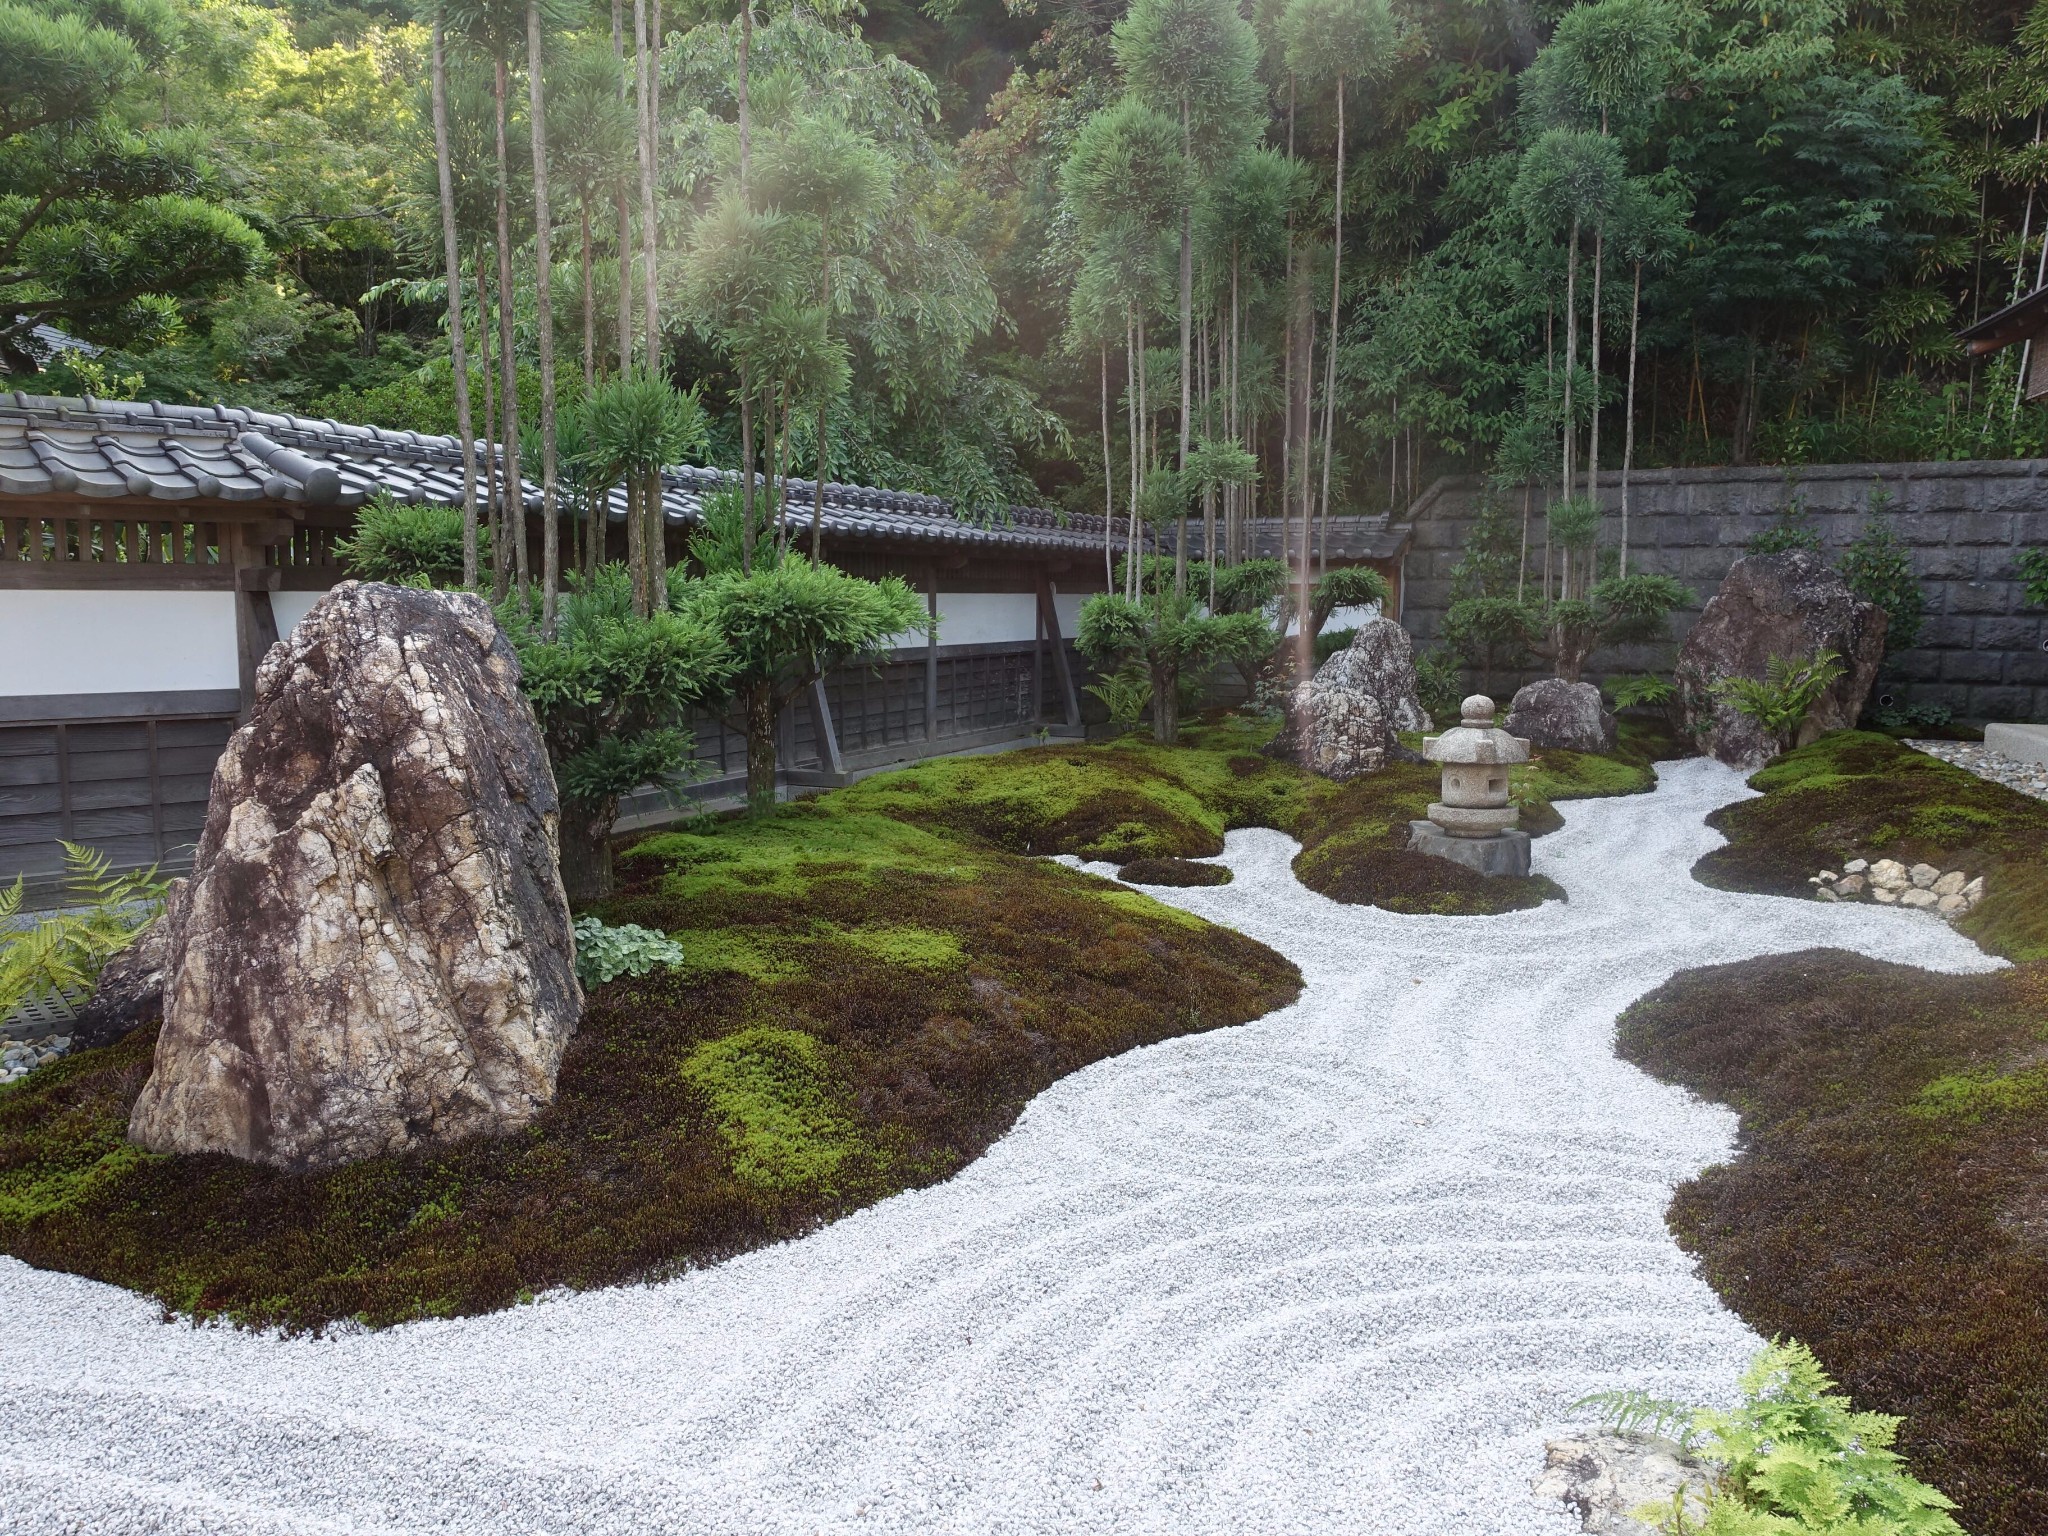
(931, 654)
(1049, 615)
(821, 723)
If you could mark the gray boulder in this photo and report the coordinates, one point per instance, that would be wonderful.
(1554, 713)
(1791, 605)
(1605, 1479)
(130, 989)
(1345, 721)
(374, 952)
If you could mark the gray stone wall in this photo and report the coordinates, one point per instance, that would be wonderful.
(1981, 651)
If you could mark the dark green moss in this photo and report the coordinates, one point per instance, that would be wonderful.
(866, 1006)
(1856, 794)
(1889, 1207)
(1183, 872)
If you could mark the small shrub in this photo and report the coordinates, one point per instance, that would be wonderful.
(1780, 700)
(1793, 529)
(1439, 686)
(1330, 642)
(607, 951)
(1878, 570)
(408, 545)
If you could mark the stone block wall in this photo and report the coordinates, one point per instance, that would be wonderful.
(1982, 652)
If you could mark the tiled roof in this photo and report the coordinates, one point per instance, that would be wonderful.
(105, 448)
(100, 448)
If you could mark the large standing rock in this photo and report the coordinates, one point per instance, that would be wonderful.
(374, 951)
(1791, 605)
(1554, 713)
(1344, 722)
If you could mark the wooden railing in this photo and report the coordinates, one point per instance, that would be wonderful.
(58, 549)
(128, 541)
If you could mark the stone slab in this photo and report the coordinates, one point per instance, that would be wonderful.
(1505, 853)
(2021, 743)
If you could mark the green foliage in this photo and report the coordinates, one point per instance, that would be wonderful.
(2033, 568)
(1166, 636)
(636, 423)
(607, 951)
(1798, 1457)
(611, 689)
(1489, 632)
(1345, 586)
(1780, 699)
(408, 544)
(1248, 587)
(1125, 693)
(1632, 1411)
(1438, 685)
(1791, 529)
(1643, 688)
(101, 914)
(1879, 570)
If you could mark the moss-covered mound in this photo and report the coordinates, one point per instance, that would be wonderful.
(866, 1006)
(1859, 795)
(1133, 799)
(1173, 872)
(1890, 1208)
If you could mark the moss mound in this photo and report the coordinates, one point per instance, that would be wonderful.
(1889, 1208)
(1133, 800)
(1856, 794)
(1173, 872)
(866, 1005)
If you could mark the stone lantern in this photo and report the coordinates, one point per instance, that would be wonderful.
(1473, 823)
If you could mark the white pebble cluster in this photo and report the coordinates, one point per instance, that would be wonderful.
(1342, 1269)
(18, 1058)
(1946, 893)
(2027, 778)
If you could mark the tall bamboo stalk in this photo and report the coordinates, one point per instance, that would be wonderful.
(458, 355)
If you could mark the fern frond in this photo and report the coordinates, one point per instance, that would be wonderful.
(1633, 1411)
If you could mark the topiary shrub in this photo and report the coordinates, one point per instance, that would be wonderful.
(1173, 872)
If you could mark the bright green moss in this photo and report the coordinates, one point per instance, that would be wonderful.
(921, 949)
(1138, 904)
(1971, 1096)
(783, 1112)
(760, 954)
(73, 1175)
(785, 853)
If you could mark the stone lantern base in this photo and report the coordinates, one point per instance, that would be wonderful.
(1503, 853)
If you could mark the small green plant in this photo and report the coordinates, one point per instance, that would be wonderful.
(1910, 719)
(1780, 699)
(1798, 1457)
(2034, 572)
(1792, 529)
(63, 954)
(1640, 689)
(1439, 686)
(1795, 1458)
(1124, 693)
(606, 951)
(1878, 570)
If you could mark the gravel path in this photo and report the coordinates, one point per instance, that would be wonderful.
(1337, 1270)
(2027, 778)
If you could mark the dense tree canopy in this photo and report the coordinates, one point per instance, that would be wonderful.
(1007, 252)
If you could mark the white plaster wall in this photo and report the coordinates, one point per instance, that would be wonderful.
(116, 642)
(983, 618)
(290, 607)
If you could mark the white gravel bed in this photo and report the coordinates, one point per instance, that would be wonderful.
(2027, 778)
(1341, 1269)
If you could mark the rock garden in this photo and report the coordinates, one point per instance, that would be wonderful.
(1154, 1112)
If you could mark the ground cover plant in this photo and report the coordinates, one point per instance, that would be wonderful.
(1857, 794)
(1131, 800)
(853, 1006)
(1888, 1206)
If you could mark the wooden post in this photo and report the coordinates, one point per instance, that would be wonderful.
(931, 655)
(255, 620)
(1062, 671)
(821, 722)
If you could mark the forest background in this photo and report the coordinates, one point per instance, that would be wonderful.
(1042, 251)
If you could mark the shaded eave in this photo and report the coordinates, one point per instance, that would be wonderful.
(2017, 322)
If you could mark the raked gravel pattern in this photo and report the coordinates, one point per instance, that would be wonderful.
(1341, 1269)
